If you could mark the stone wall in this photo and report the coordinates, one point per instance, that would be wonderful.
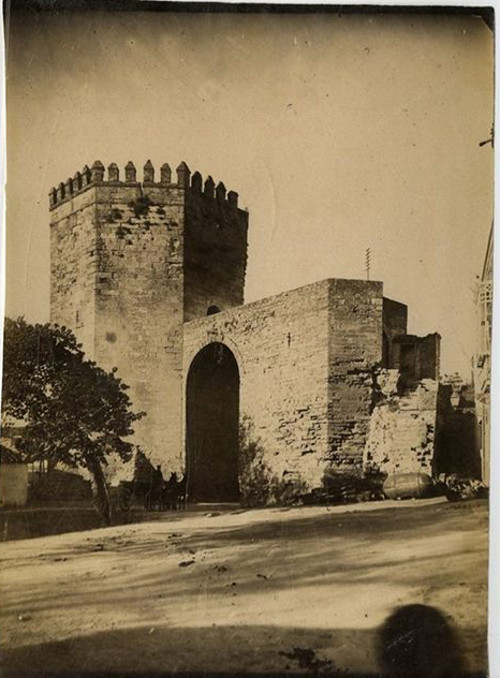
(129, 261)
(417, 357)
(306, 359)
(13, 484)
(402, 427)
(355, 350)
(215, 246)
(73, 266)
(117, 281)
(281, 347)
(395, 320)
(139, 307)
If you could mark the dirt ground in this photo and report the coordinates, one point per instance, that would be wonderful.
(242, 592)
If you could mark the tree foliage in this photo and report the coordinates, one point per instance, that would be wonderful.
(72, 410)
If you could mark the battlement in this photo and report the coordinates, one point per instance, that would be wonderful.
(95, 176)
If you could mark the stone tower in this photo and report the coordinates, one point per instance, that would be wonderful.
(131, 262)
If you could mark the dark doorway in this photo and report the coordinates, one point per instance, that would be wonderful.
(212, 416)
(385, 351)
(407, 361)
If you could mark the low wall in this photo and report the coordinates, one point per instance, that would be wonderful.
(13, 484)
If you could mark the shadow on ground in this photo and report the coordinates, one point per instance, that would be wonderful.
(331, 549)
(44, 520)
(415, 642)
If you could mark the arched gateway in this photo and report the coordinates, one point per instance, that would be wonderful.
(212, 415)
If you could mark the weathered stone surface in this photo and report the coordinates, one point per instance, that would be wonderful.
(215, 254)
(395, 319)
(355, 350)
(402, 428)
(136, 268)
(122, 280)
(281, 346)
(306, 359)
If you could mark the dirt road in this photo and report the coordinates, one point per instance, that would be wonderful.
(236, 592)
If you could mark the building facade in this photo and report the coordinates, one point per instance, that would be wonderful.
(482, 359)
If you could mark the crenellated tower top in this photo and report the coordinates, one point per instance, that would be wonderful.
(98, 176)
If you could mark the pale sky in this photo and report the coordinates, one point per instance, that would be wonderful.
(339, 133)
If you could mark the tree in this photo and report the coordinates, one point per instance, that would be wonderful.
(73, 411)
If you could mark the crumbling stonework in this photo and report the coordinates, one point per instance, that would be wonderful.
(149, 274)
(402, 426)
(416, 357)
